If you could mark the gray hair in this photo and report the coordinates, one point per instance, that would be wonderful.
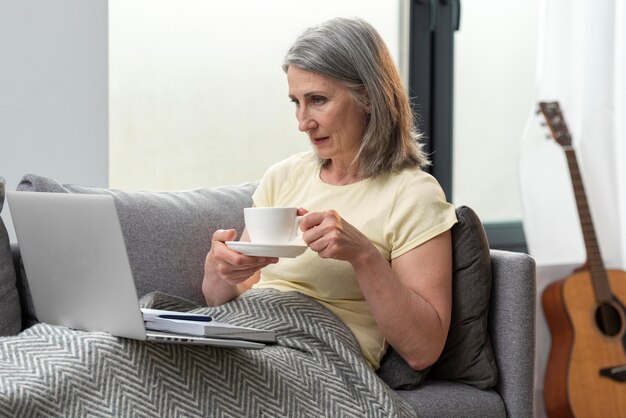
(352, 52)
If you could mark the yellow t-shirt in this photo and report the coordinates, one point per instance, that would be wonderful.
(397, 212)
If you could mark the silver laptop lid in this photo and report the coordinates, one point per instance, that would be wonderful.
(76, 263)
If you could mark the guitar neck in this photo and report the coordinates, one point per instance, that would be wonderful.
(594, 258)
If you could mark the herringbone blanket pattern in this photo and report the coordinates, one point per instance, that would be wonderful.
(315, 370)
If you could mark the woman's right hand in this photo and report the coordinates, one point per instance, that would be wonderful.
(228, 273)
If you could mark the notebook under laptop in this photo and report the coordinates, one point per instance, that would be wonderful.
(78, 270)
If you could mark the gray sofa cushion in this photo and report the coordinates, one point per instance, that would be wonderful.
(10, 308)
(181, 222)
(443, 399)
(468, 355)
(397, 373)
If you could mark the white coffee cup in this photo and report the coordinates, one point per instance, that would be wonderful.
(277, 225)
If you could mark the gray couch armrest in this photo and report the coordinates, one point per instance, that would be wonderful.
(28, 310)
(17, 258)
(512, 325)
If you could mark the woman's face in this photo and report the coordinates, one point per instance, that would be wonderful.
(328, 114)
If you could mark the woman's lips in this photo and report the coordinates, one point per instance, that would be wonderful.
(320, 140)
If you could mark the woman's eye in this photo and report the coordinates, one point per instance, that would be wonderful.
(317, 100)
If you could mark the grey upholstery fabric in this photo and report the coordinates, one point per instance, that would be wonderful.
(397, 373)
(181, 222)
(512, 325)
(468, 354)
(442, 399)
(10, 308)
(26, 302)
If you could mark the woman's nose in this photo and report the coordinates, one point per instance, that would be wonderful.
(305, 122)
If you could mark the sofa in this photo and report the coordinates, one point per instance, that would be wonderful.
(485, 370)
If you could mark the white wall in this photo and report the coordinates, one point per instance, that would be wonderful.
(53, 91)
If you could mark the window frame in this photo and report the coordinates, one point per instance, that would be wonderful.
(432, 25)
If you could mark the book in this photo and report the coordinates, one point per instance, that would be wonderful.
(202, 325)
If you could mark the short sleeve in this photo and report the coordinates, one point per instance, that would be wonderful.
(420, 212)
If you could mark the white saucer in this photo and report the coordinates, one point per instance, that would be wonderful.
(267, 250)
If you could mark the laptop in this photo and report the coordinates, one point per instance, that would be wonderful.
(78, 270)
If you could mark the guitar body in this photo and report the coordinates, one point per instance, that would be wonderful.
(580, 349)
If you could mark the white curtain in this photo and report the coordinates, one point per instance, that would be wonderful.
(581, 64)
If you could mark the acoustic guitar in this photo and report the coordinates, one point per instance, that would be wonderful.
(586, 371)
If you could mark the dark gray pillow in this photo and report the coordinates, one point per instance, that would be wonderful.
(397, 373)
(10, 307)
(167, 234)
(468, 355)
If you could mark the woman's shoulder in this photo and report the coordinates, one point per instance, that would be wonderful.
(417, 182)
(411, 177)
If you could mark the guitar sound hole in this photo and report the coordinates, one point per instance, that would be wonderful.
(608, 319)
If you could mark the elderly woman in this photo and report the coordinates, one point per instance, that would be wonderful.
(378, 226)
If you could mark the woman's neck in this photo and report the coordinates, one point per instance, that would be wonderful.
(339, 176)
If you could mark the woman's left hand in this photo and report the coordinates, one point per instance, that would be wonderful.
(329, 235)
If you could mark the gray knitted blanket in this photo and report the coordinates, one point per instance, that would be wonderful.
(315, 369)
